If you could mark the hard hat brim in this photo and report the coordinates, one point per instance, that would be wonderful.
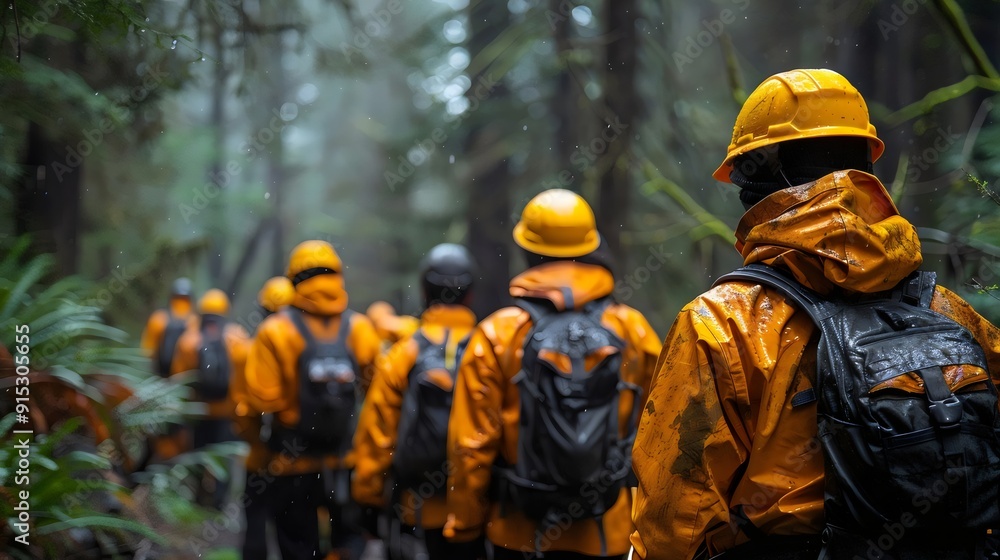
(577, 250)
(722, 173)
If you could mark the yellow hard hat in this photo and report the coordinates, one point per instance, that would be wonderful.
(214, 302)
(557, 223)
(799, 104)
(276, 293)
(310, 255)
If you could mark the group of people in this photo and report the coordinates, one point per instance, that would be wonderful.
(564, 427)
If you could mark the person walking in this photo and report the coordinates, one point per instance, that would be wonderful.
(308, 371)
(547, 397)
(730, 458)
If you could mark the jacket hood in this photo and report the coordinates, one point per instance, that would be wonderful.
(566, 284)
(448, 316)
(840, 231)
(181, 306)
(321, 295)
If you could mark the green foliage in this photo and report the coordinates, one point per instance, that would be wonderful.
(68, 337)
(69, 341)
(61, 496)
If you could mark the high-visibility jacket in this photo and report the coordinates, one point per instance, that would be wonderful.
(152, 334)
(485, 414)
(375, 440)
(390, 327)
(186, 360)
(272, 373)
(719, 429)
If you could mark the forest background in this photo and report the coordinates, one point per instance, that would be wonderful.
(143, 141)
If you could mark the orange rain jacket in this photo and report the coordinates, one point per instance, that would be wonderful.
(186, 359)
(272, 373)
(486, 412)
(170, 445)
(247, 423)
(152, 335)
(390, 327)
(737, 354)
(375, 440)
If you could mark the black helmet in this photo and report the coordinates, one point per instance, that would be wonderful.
(181, 288)
(448, 265)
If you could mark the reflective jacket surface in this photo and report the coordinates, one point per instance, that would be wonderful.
(486, 411)
(186, 360)
(152, 334)
(719, 430)
(375, 440)
(272, 373)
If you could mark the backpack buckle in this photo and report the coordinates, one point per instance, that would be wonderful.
(947, 412)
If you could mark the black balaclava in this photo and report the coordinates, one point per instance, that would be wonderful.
(435, 294)
(601, 256)
(766, 170)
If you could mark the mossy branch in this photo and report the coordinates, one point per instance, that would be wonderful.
(955, 17)
(939, 96)
(733, 73)
(708, 223)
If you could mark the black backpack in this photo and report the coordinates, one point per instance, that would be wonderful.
(419, 462)
(421, 446)
(928, 461)
(571, 461)
(328, 401)
(168, 343)
(214, 365)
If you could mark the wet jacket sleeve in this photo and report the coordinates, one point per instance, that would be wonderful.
(949, 303)
(642, 348)
(244, 416)
(474, 431)
(681, 434)
(238, 343)
(186, 355)
(153, 333)
(364, 341)
(378, 423)
(263, 373)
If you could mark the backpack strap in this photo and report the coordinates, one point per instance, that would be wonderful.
(298, 319)
(809, 301)
(917, 289)
(536, 308)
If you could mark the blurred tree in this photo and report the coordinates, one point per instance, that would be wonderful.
(489, 212)
(622, 106)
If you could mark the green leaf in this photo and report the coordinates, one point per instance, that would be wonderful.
(101, 521)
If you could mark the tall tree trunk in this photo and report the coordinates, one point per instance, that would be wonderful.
(48, 198)
(622, 103)
(216, 167)
(565, 104)
(47, 201)
(488, 207)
